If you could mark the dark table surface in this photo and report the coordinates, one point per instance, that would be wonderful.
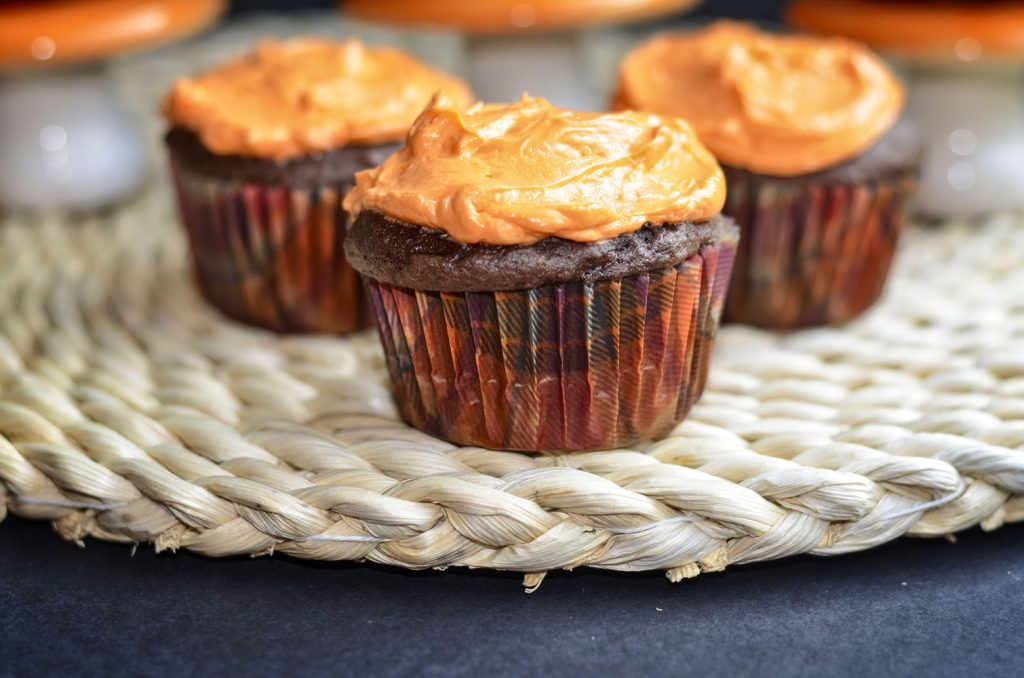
(921, 608)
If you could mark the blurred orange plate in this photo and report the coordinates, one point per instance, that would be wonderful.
(964, 31)
(46, 33)
(502, 16)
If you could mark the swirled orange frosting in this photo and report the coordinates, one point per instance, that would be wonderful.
(287, 99)
(778, 105)
(508, 174)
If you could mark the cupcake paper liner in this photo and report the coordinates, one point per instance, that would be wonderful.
(272, 255)
(811, 254)
(556, 368)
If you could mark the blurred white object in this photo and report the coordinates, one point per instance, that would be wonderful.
(516, 46)
(68, 137)
(68, 141)
(973, 123)
(546, 65)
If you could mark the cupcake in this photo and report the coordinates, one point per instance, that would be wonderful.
(818, 163)
(262, 150)
(543, 279)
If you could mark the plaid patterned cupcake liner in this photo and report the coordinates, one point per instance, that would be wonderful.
(272, 256)
(557, 368)
(811, 254)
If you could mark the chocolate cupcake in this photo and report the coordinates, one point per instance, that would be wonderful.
(544, 280)
(263, 149)
(818, 163)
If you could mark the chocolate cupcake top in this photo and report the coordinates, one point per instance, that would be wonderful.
(778, 105)
(515, 174)
(429, 259)
(288, 99)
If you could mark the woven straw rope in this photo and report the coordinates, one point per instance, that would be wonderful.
(130, 412)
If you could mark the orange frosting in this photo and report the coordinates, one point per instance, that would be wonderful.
(509, 174)
(303, 96)
(778, 105)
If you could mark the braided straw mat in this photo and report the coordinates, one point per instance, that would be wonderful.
(130, 412)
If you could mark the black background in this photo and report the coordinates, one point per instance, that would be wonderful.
(910, 608)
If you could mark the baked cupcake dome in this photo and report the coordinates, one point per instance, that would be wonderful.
(817, 160)
(262, 150)
(544, 280)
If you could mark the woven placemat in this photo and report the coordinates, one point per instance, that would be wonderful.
(129, 411)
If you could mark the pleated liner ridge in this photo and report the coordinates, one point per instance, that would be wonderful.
(811, 254)
(560, 367)
(272, 256)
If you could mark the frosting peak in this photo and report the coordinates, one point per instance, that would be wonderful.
(305, 96)
(782, 105)
(507, 174)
